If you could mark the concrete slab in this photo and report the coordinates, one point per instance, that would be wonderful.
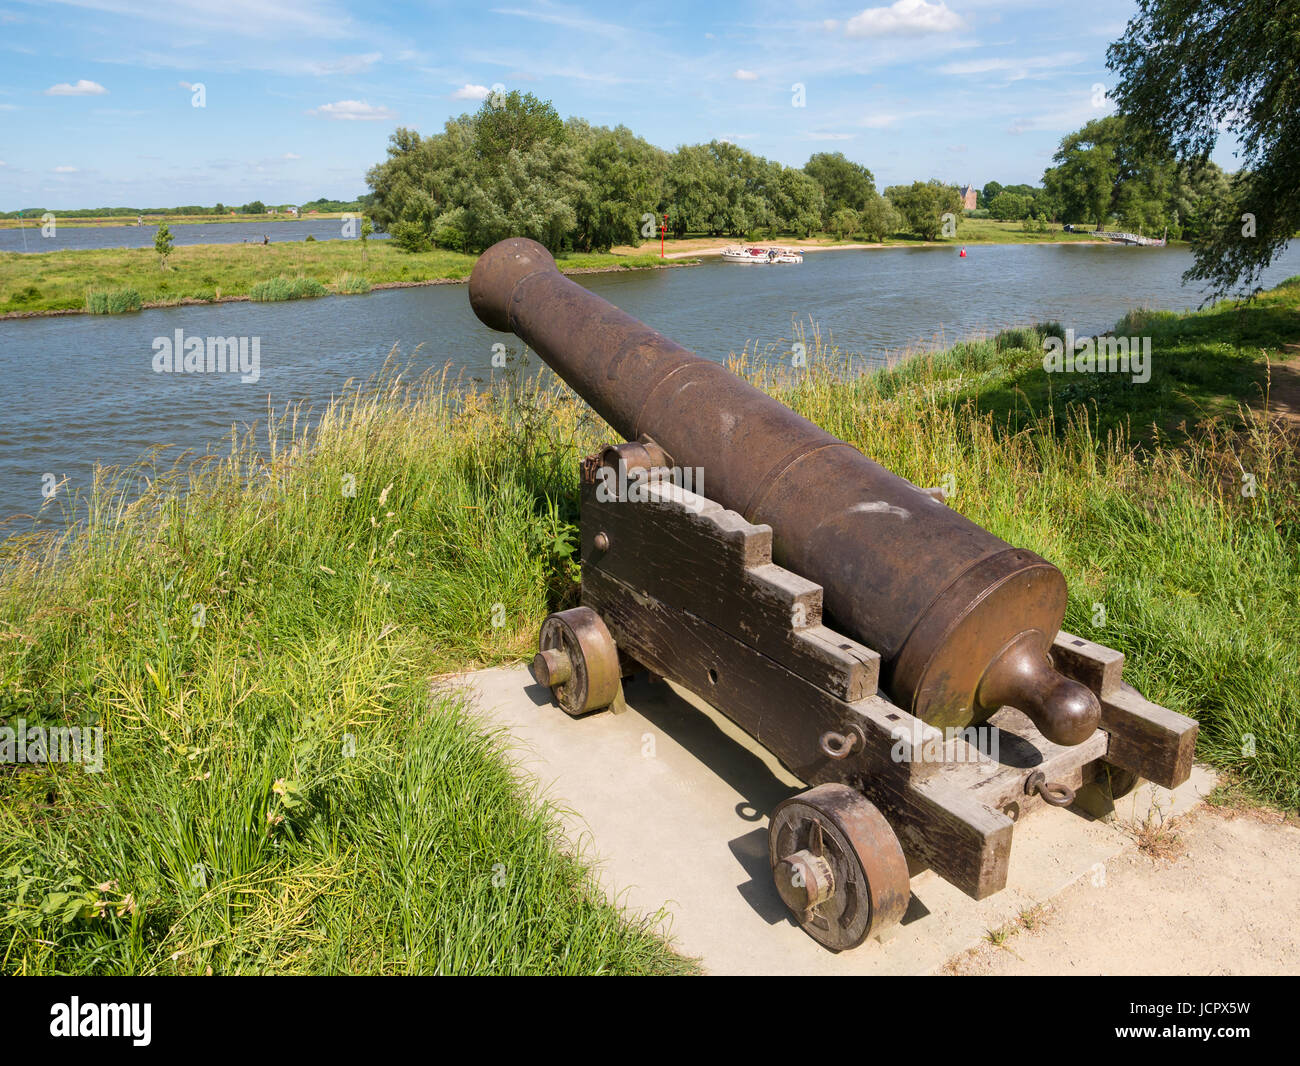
(670, 800)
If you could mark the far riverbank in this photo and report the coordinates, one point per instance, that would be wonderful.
(64, 282)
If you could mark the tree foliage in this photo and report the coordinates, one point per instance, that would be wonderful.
(514, 168)
(1192, 69)
(923, 205)
(844, 184)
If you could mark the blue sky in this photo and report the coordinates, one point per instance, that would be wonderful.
(300, 97)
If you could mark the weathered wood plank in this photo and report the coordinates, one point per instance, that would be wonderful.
(1089, 663)
(1008, 749)
(688, 551)
(784, 712)
(1154, 742)
(955, 835)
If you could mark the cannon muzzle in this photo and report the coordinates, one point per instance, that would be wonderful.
(962, 620)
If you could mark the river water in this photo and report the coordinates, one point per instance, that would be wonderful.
(81, 389)
(34, 238)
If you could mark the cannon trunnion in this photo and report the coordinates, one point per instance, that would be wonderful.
(892, 654)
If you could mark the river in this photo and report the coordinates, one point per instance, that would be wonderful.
(34, 238)
(82, 389)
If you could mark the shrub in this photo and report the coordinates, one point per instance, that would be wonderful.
(410, 236)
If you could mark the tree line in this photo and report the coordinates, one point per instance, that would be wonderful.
(515, 168)
(1110, 173)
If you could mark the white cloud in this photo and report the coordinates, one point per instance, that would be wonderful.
(65, 170)
(345, 64)
(353, 111)
(81, 88)
(291, 155)
(904, 17)
(878, 122)
(1014, 68)
(815, 136)
(471, 92)
(745, 75)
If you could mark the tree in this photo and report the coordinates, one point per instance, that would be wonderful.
(623, 179)
(1191, 69)
(514, 122)
(1109, 168)
(843, 182)
(1008, 206)
(923, 205)
(367, 228)
(254, 208)
(1087, 172)
(990, 192)
(844, 223)
(879, 218)
(162, 243)
(800, 202)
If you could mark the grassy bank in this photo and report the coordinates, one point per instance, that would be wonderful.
(279, 793)
(70, 280)
(33, 221)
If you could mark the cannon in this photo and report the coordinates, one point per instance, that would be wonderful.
(878, 642)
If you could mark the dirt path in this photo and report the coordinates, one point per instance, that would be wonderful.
(1219, 899)
(1284, 386)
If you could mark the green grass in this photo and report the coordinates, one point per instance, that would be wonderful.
(112, 302)
(352, 284)
(52, 281)
(283, 288)
(281, 794)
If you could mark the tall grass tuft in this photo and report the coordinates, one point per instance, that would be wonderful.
(112, 301)
(351, 284)
(284, 288)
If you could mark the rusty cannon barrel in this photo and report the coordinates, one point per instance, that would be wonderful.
(962, 620)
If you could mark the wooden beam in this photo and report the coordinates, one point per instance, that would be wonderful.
(684, 549)
(1154, 742)
(783, 711)
(1091, 664)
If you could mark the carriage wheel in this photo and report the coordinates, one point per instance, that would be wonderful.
(1121, 781)
(837, 865)
(577, 661)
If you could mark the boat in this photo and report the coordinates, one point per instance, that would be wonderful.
(760, 255)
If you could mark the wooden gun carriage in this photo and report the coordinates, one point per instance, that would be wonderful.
(940, 706)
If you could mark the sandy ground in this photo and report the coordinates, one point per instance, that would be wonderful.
(669, 800)
(694, 247)
(1224, 902)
